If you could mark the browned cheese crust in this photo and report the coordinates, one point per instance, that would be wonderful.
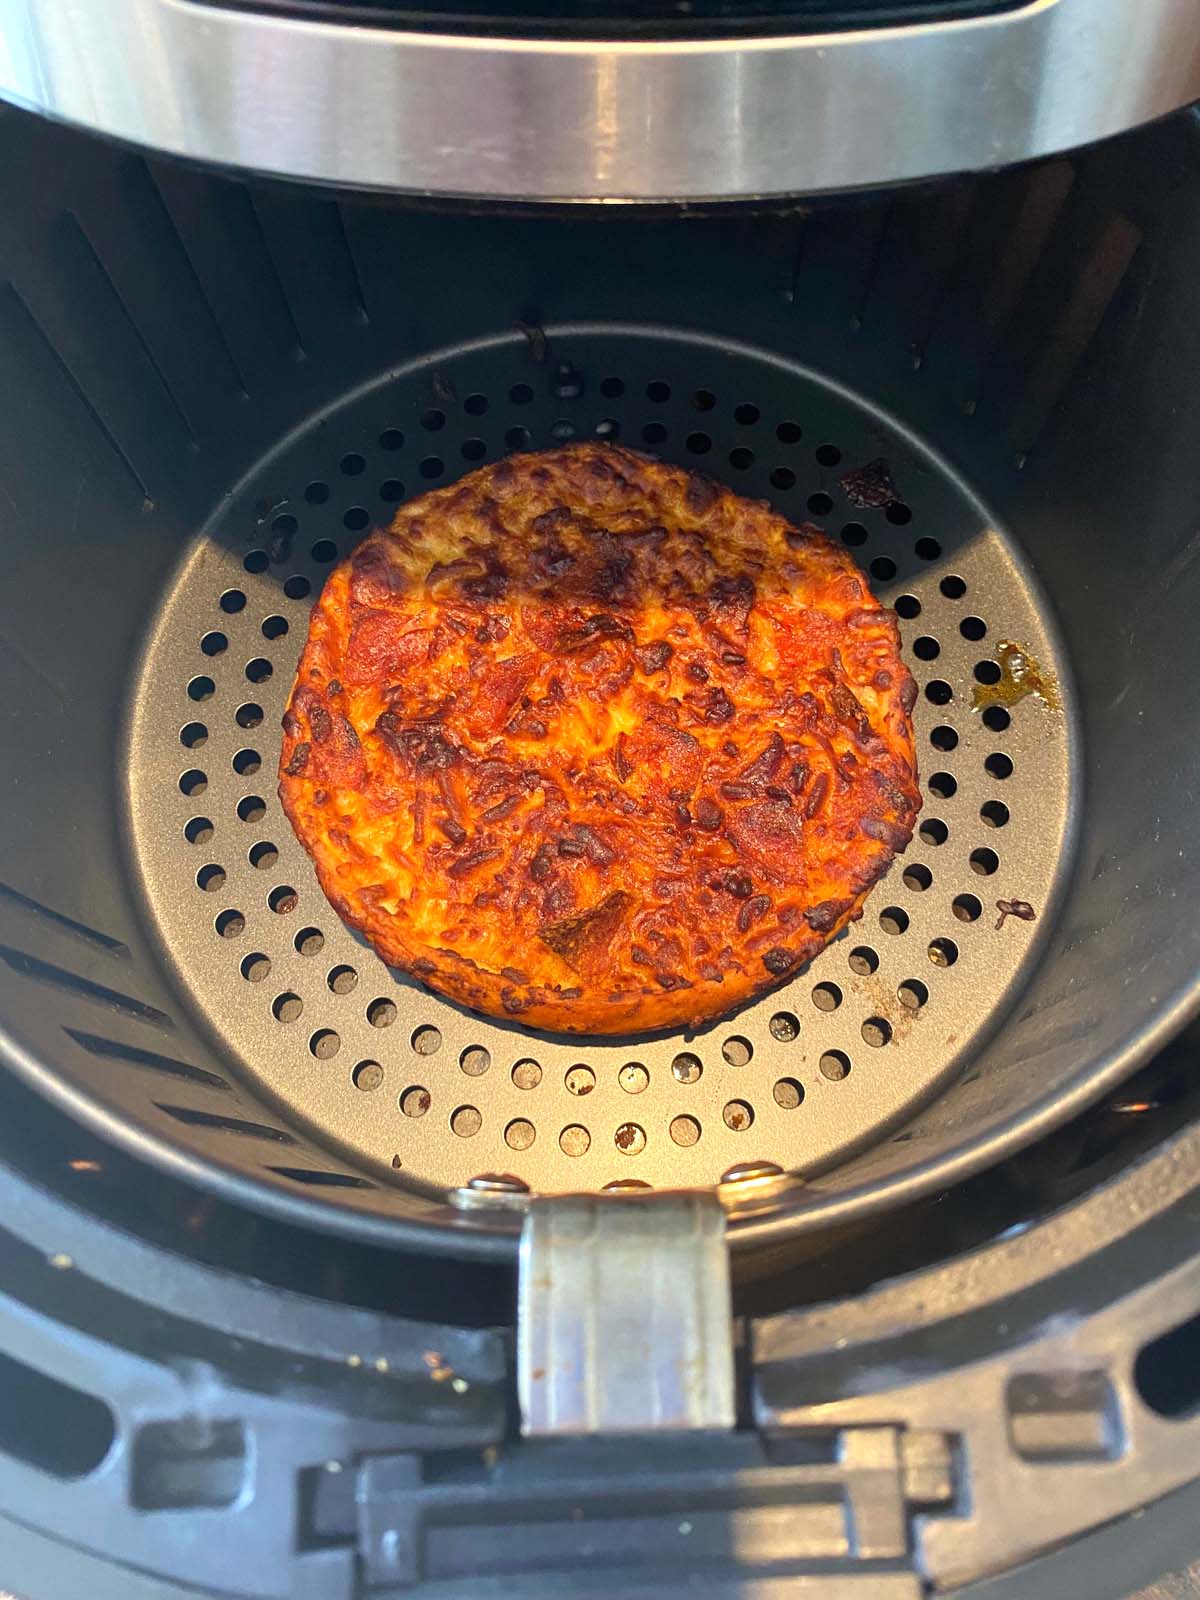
(589, 741)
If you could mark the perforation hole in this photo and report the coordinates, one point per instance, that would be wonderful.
(633, 1078)
(521, 394)
(738, 1115)
(473, 449)
(342, 980)
(944, 738)
(246, 763)
(562, 430)
(309, 942)
(579, 1080)
(367, 1076)
(912, 994)
(357, 518)
(391, 491)
(352, 465)
(262, 854)
(789, 433)
(381, 1013)
(987, 672)
(520, 1134)
(324, 551)
(827, 997)
(475, 1060)
(229, 924)
(933, 831)
(686, 1068)
(746, 414)
(254, 968)
(699, 443)
(828, 455)
(210, 878)
(996, 719)
(938, 692)
(574, 1140)
(784, 1026)
(998, 766)
(854, 534)
(820, 503)
(316, 493)
(274, 627)
(685, 1132)
(893, 920)
(994, 813)
(255, 561)
(526, 1074)
(952, 586)
(198, 830)
(741, 458)
(943, 786)
(917, 876)
(259, 670)
(898, 514)
(324, 1044)
(426, 1040)
(201, 688)
(883, 569)
(863, 960)
(876, 1031)
(966, 908)
(431, 467)
(737, 1051)
(415, 1101)
(193, 782)
(943, 952)
(391, 439)
(973, 628)
(926, 648)
(907, 606)
(433, 421)
(232, 601)
(630, 1139)
(193, 736)
(286, 1007)
(475, 405)
(835, 1065)
(214, 644)
(251, 808)
(787, 1093)
(653, 433)
(704, 400)
(658, 392)
(782, 478)
(927, 549)
(248, 715)
(984, 862)
(283, 900)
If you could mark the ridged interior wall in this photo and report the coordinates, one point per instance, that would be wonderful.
(161, 327)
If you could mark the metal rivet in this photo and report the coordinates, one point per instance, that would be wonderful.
(744, 1170)
(498, 1183)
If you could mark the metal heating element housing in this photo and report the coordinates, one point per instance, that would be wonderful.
(611, 101)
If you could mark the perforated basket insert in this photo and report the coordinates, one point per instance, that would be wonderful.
(424, 1093)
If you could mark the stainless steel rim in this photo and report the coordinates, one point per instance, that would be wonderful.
(423, 113)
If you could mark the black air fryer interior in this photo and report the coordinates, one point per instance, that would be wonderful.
(214, 389)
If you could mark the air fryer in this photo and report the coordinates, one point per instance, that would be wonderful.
(216, 384)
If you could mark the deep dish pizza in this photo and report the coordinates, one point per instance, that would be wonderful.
(590, 742)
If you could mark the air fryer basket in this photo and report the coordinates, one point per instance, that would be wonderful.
(214, 389)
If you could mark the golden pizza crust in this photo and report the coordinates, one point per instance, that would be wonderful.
(589, 741)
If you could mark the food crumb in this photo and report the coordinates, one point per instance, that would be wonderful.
(1014, 908)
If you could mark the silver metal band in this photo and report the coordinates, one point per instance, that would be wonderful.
(424, 113)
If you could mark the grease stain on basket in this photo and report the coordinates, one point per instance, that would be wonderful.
(1021, 675)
